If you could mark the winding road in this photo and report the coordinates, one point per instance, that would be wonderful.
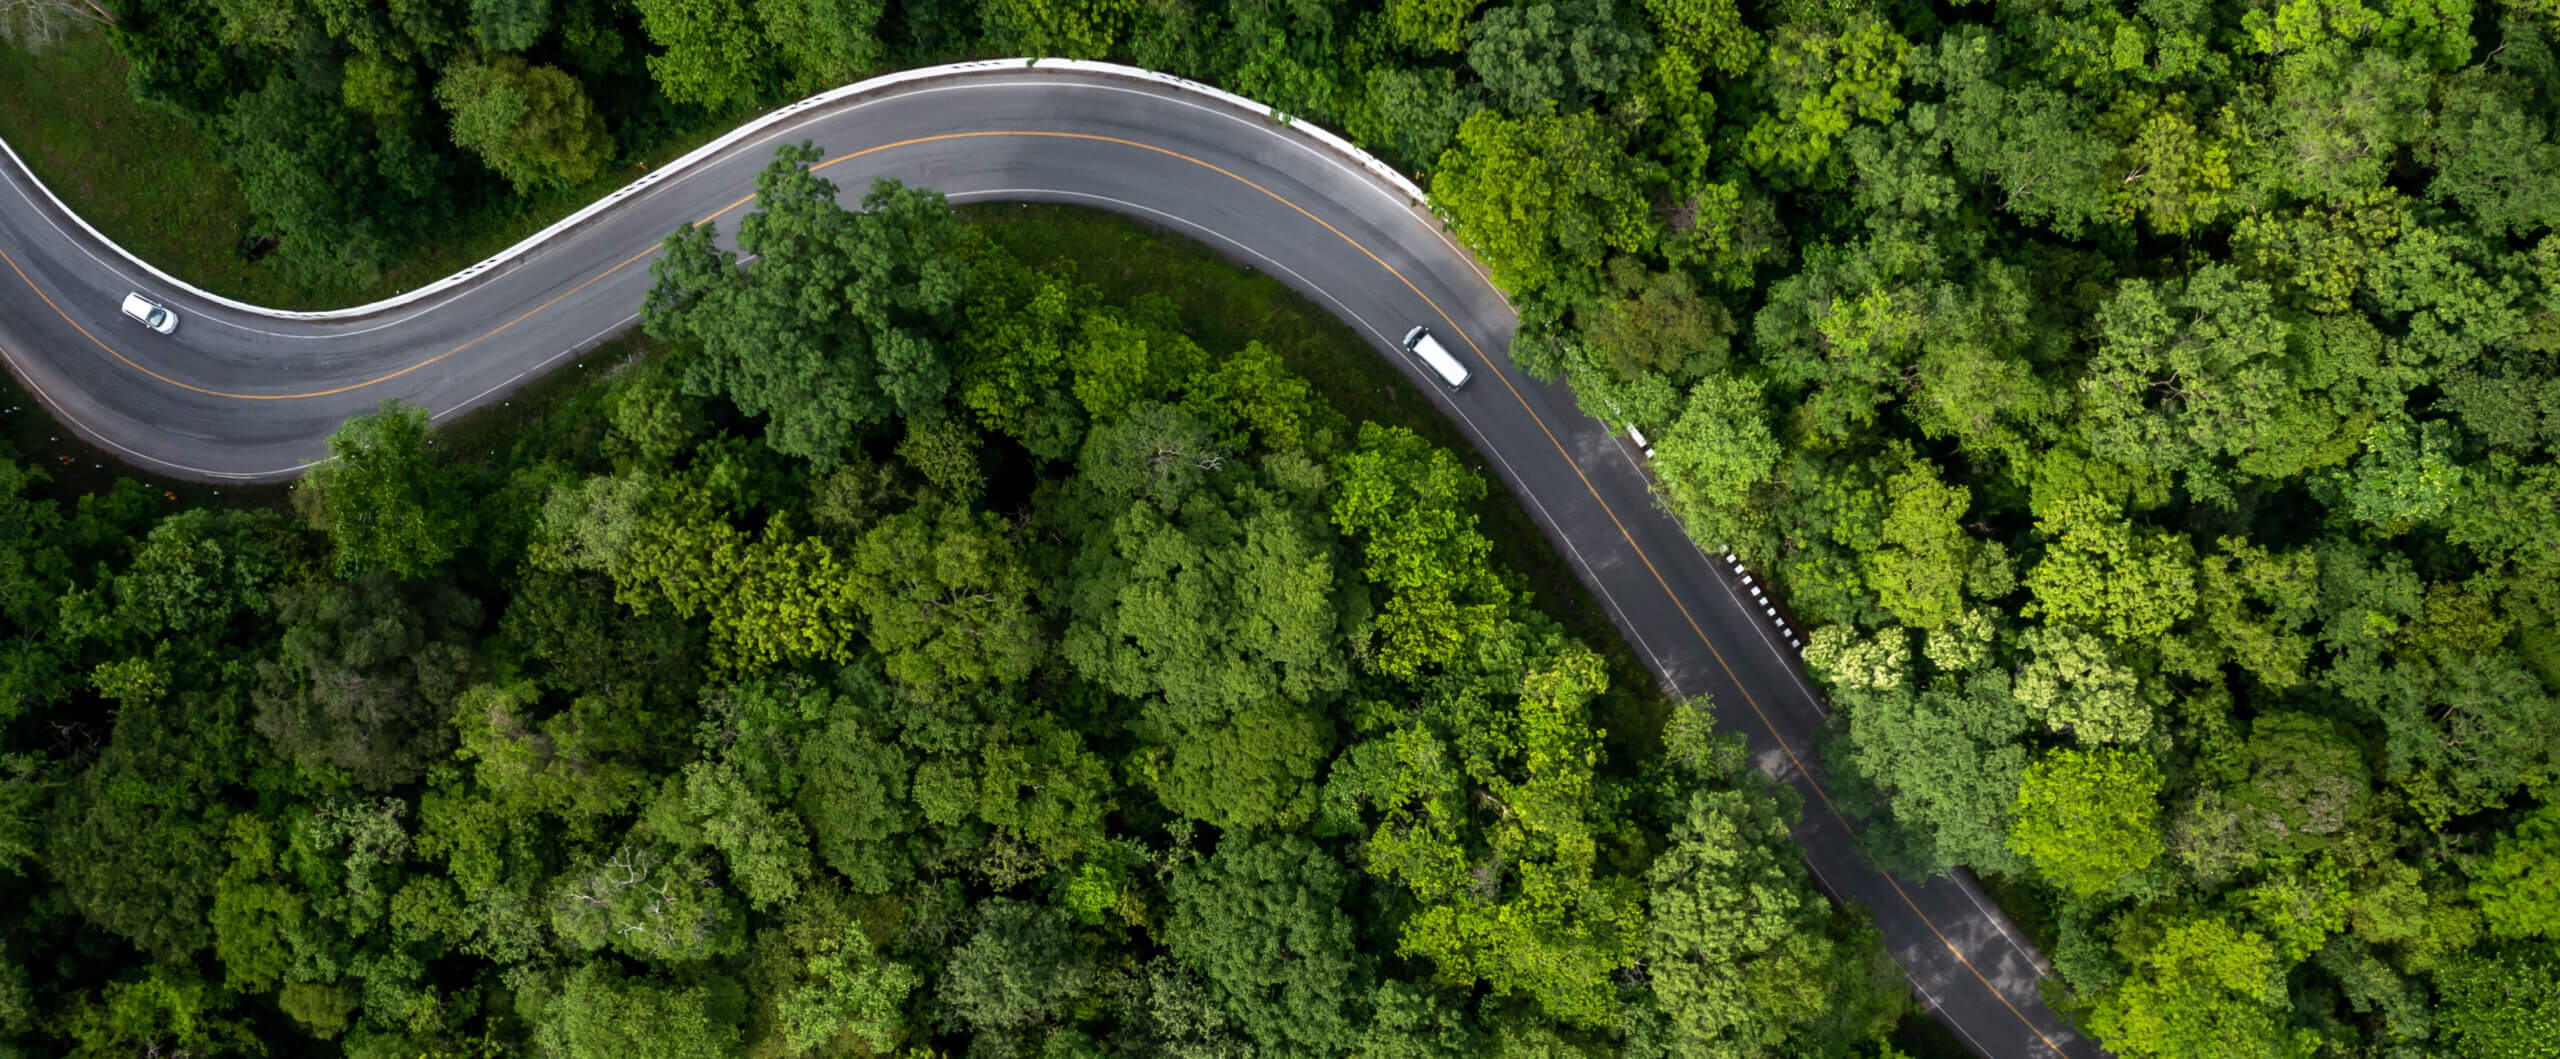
(240, 393)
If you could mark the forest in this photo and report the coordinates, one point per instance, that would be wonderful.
(995, 672)
(2152, 406)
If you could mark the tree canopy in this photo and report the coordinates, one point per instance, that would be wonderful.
(1116, 696)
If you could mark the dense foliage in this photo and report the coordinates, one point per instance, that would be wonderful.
(1051, 686)
(2151, 403)
(2150, 407)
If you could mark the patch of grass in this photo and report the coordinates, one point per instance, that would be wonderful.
(145, 177)
(1227, 306)
(150, 181)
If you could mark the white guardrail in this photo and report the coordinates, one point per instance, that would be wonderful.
(733, 137)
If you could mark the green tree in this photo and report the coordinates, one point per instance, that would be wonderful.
(2039, 146)
(770, 599)
(1432, 24)
(824, 43)
(201, 570)
(301, 160)
(2177, 169)
(648, 901)
(2405, 476)
(1544, 199)
(576, 763)
(1493, 828)
(166, 1011)
(1255, 770)
(948, 453)
(1212, 606)
(1022, 963)
(532, 124)
(839, 987)
(2301, 784)
(1709, 34)
(258, 920)
(363, 674)
(1745, 957)
(2103, 571)
(1542, 56)
(2502, 1005)
(24, 789)
(1263, 922)
(1406, 501)
(2088, 819)
(1076, 29)
(854, 799)
(131, 837)
(1718, 461)
(2519, 887)
(2202, 988)
(2076, 682)
(2299, 909)
(720, 805)
(1038, 783)
(1254, 396)
(2488, 145)
(599, 1013)
(1950, 761)
(509, 25)
(1918, 573)
(840, 324)
(710, 53)
(2462, 735)
(1010, 367)
(2341, 114)
(1120, 358)
(1821, 78)
(387, 501)
(1656, 322)
(947, 598)
(2251, 605)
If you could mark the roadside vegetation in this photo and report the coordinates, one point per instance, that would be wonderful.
(1011, 676)
(147, 178)
(2149, 405)
(156, 183)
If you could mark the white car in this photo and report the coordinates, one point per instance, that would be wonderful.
(150, 313)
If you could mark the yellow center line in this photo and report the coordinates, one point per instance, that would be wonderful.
(1623, 533)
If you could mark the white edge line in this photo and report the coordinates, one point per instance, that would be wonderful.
(62, 414)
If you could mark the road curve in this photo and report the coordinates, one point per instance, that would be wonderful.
(241, 393)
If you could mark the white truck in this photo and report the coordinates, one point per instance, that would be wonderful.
(1429, 350)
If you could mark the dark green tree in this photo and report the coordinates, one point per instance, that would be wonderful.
(363, 673)
(840, 324)
(387, 500)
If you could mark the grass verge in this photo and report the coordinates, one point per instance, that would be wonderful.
(1228, 305)
(145, 177)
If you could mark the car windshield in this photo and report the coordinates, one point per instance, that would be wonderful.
(157, 317)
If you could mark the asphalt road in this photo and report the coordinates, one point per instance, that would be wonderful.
(235, 395)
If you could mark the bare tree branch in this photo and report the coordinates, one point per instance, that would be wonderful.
(33, 24)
